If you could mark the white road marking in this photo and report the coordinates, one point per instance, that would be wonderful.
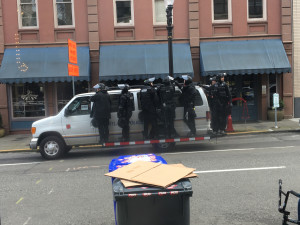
(19, 164)
(242, 169)
(67, 170)
(226, 150)
(26, 222)
(50, 191)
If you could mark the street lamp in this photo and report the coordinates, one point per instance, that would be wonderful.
(169, 8)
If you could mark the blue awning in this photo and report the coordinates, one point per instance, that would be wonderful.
(122, 62)
(243, 57)
(23, 65)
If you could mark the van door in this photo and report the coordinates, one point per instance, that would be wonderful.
(76, 123)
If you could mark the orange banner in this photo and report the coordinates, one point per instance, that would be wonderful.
(72, 51)
(73, 70)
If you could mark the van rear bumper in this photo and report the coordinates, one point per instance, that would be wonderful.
(33, 143)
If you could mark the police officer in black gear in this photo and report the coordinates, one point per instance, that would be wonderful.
(188, 98)
(125, 110)
(215, 106)
(225, 102)
(166, 93)
(213, 102)
(101, 111)
(149, 103)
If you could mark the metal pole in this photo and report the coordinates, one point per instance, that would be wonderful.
(276, 117)
(170, 46)
(73, 85)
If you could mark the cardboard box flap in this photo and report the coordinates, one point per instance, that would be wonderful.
(132, 170)
(162, 175)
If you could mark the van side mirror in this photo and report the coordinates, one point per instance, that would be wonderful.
(67, 112)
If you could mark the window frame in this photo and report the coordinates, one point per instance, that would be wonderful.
(20, 16)
(154, 15)
(229, 20)
(264, 18)
(115, 13)
(56, 19)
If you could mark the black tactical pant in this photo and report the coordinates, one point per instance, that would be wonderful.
(168, 113)
(103, 129)
(125, 130)
(223, 115)
(150, 119)
(189, 116)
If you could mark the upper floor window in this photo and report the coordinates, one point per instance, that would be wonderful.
(221, 10)
(64, 13)
(159, 13)
(27, 12)
(123, 12)
(256, 9)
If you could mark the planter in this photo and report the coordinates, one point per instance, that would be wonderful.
(2, 132)
(271, 114)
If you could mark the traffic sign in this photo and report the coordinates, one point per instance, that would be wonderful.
(72, 51)
(276, 100)
(73, 70)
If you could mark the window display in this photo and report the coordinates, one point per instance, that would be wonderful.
(28, 100)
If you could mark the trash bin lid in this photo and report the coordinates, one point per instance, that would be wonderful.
(181, 187)
(128, 159)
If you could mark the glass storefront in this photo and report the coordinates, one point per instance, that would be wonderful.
(28, 100)
(243, 89)
(244, 94)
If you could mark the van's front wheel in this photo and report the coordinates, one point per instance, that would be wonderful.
(164, 147)
(52, 147)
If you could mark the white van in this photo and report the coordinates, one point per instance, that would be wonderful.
(72, 126)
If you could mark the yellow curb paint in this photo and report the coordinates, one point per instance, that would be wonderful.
(38, 181)
(15, 150)
(19, 200)
(50, 169)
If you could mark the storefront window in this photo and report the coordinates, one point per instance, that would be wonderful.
(248, 90)
(28, 100)
(65, 92)
(242, 89)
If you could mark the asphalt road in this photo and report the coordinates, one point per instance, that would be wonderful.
(237, 183)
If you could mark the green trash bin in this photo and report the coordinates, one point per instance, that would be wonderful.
(151, 205)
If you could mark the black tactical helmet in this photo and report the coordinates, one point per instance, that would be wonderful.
(100, 86)
(213, 79)
(123, 86)
(222, 75)
(168, 79)
(150, 80)
(187, 79)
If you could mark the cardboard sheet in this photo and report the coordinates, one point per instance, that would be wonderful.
(127, 183)
(150, 173)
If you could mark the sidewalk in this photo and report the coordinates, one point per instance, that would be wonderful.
(20, 142)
